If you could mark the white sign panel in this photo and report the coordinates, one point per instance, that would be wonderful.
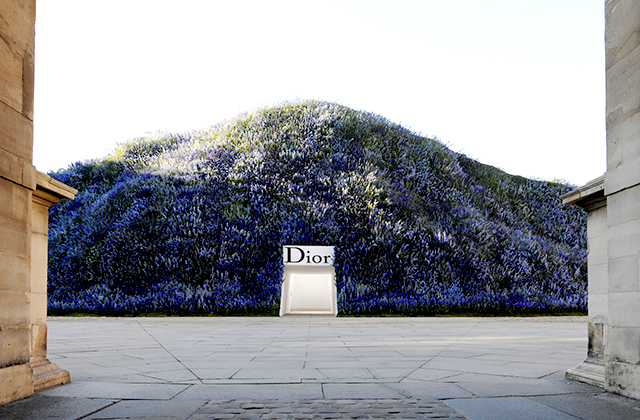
(311, 293)
(307, 255)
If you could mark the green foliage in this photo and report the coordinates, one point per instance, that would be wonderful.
(194, 223)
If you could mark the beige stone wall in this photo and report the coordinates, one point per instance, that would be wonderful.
(48, 192)
(598, 285)
(622, 188)
(17, 181)
(591, 197)
(25, 198)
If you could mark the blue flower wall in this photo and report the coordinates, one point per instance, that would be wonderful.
(194, 223)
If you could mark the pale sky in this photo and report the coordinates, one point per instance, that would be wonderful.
(517, 84)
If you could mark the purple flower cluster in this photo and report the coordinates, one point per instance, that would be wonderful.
(195, 223)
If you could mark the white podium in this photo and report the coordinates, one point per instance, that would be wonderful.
(308, 285)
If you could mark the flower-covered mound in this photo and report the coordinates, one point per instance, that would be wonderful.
(195, 223)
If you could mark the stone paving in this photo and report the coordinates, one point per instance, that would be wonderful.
(319, 367)
(326, 409)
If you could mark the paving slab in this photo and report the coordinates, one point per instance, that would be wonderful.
(429, 390)
(274, 375)
(319, 367)
(41, 407)
(347, 373)
(252, 392)
(116, 390)
(151, 410)
(205, 373)
(430, 374)
(359, 391)
(491, 386)
(508, 408)
(591, 407)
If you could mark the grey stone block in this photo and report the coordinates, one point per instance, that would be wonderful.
(152, 410)
(113, 390)
(501, 386)
(591, 407)
(509, 408)
(429, 390)
(622, 378)
(48, 408)
(253, 392)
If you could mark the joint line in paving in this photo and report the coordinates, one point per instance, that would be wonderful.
(440, 352)
(98, 410)
(170, 354)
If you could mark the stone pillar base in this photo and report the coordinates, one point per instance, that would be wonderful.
(47, 374)
(591, 372)
(623, 378)
(16, 382)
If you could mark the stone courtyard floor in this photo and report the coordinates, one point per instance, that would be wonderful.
(319, 367)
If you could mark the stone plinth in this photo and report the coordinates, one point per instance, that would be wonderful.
(591, 197)
(614, 222)
(17, 181)
(48, 192)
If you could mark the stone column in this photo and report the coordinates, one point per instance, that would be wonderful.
(48, 192)
(25, 198)
(591, 198)
(622, 189)
(17, 181)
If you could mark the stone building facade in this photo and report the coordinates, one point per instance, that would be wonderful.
(25, 198)
(613, 203)
(613, 225)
